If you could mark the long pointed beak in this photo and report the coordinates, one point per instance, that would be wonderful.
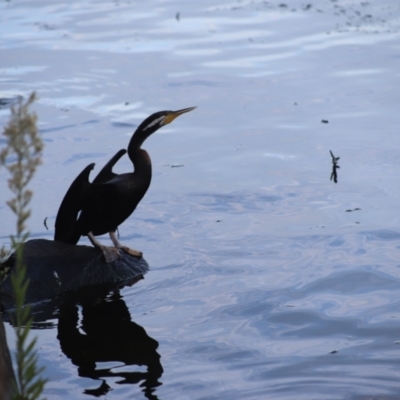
(174, 114)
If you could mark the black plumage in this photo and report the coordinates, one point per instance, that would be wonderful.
(99, 207)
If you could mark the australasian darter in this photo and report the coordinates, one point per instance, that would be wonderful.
(93, 209)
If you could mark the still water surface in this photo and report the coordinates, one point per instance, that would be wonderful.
(267, 279)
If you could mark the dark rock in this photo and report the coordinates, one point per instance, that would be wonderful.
(56, 268)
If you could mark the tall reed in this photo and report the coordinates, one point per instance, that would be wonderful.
(21, 156)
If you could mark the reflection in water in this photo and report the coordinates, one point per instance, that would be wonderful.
(107, 334)
(334, 167)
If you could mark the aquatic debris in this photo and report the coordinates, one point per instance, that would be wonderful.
(175, 165)
(334, 167)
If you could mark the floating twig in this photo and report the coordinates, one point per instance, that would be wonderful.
(334, 167)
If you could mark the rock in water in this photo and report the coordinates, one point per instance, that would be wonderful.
(56, 268)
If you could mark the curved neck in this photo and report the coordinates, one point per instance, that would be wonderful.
(142, 163)
(143, 131)
(134, 145)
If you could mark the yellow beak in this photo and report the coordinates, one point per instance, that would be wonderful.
(174, 114)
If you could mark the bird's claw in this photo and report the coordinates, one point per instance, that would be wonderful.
(110, 254)
(132, 252)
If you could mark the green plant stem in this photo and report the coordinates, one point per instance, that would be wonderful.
(20, 157)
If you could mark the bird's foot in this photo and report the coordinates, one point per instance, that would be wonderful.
(132, 252)
(110, 254)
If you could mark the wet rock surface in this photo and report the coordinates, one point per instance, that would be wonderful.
(56, 268)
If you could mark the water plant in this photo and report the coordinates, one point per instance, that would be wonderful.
(21, 155)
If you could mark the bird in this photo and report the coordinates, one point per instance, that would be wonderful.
(95, 208)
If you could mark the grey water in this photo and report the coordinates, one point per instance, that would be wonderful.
(267, 280)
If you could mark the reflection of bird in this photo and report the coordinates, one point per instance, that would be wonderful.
(105, 344)
(110, 199)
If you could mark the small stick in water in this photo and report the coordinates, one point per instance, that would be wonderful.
(334, 167)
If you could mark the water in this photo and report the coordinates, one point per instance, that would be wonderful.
(267, 279)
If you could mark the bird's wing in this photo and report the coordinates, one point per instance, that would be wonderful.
(72, 204)
(106, 173)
